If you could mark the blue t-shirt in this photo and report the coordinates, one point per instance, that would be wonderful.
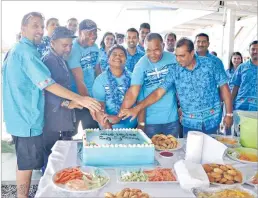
(230, 73)
(103, 59)
(44, 46)
(133, 59)
(197, 92)
(245, 77)
(150, 75)
(102, 91)
(24, 78)
(87, 58)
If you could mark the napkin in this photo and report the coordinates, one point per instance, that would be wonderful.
(203, 149)
(191, 175)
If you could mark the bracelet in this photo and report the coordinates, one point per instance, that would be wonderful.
(65, 103)
(229, 114)
(141, 124)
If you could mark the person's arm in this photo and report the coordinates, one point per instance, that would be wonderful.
(131, 97)
(226, 97)
(234, 92)
(79, 80)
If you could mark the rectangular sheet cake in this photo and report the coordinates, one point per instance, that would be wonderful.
(117, 147)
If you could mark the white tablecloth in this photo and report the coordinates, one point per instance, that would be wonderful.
(64, 154)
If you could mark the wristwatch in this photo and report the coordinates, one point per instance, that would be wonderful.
(65, 103)
(229, 114)
(141, 124)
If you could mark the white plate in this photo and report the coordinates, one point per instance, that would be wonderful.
(238, 160)
(179, 146)
(85, 169)
(228, 145)
(118, 173)
(250, 183)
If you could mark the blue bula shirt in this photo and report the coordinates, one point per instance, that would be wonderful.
(102, 91)
(213, 58)
(197, 92)
(57, 118)
(141, 48)
(44, 46)
(150, 75)
(245, 77)
(230, 73)
(87, 58)
(103, 59)
(24, 78)
(133, 59)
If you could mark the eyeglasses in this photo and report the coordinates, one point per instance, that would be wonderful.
(32, 14)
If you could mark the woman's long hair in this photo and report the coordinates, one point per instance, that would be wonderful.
(102, 43)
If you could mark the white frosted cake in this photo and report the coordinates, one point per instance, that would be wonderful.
(117, 147)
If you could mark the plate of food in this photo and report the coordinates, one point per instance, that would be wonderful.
(244, 155)
(129, 193)
(224, 174)
(253, 181)
(229, 141)
(166, 143)
(146, 175)
(224, 192)
(81, 179)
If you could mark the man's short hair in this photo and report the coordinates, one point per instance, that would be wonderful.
(145, 25)
(133, 30)
(170, 34)
(202, 34)
(26, 17)
(187, 42)
(49, 20)
(253, 43)
(72, 19)
(152, 36)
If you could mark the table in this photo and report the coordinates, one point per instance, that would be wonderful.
(64, 154)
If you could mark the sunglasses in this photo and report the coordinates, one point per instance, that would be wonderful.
(33, 14)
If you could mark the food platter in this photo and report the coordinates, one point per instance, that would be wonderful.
(82, 179)
(146, 175)
(253, 181)
(215, 192)
(128, 192)
(229, 141)
(224, 174)
(242, 154)
(166, 143)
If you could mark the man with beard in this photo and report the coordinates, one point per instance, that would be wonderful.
(170, 42)
(25, 78)
(144, 30)
(84, 62)
(244, 94)
(133, 53)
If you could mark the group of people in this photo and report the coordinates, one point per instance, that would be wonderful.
(171, 86)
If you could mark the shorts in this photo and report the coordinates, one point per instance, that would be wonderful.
(29, 152)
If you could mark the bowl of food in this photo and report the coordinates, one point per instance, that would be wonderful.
(229, 141)
(129, 193)
(166, 142)
(166, 154)
(244, 155)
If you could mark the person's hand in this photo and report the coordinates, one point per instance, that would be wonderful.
(89, 103)
(126, 113)
(112, 119)
(228, 121)
(73, 105)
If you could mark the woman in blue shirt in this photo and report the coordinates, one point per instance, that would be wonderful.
(235, 60)
(110, 88)
(106, 43)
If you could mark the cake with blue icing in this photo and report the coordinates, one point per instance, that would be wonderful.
(117, 147)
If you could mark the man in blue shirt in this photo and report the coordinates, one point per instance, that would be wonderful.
(143, 31)
(72, 24)
(196, 80)
(133, 53)
(170, 42)
(24, 79)
(44, 46)
(59, 113)
(84, 64)
(147, 76)
(244, 94)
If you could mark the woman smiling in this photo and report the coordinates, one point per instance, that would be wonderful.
(110, 87)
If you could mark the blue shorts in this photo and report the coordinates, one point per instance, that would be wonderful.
(166, 129)
(29, 152)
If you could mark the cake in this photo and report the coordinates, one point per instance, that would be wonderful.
(117, 147)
